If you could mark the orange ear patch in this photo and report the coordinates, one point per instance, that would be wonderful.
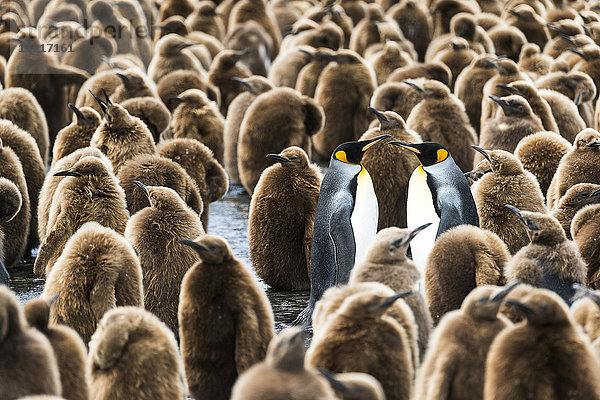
(441, 155)
(341, 155)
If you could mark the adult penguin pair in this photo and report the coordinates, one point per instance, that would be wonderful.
(347, 210)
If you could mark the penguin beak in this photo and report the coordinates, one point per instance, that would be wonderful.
(185, 45)
(68, 172)
(507, 88)
(369, 143)
(175, 99)
(595, 143)
(504, 292)
(308, 54)
(144, 189)
(579, 53)
(596, 193)
(334, 383)
(76, 111)
(124, 78)
(520, 306)
(99, 101)
(380, 116)
(553, 27)
(237, 57)
(391, 300)
(515, 13)
(414, 86)
(242, 82)
(483, 152)
(567, 39)
(191, 243)
(583, 291)
(416, 231)
(107, 99)
(578, 96)
(516, 211)
(407, 146)
(278, 158)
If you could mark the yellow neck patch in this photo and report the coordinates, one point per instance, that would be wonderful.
(341, 155)
(441, 155)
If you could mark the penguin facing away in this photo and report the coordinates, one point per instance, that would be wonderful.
(438, 192)
(345, 220)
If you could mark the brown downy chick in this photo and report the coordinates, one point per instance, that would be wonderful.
(283, 375)
(223, 68)
(390, 167)
(457, 57)
(51, 183)
(308, 77)
(76, 135)
(513, 122)
(132, 345)
(355, 386)
(386, 262)
(350, 75)
(97, 271)
(533, 62)
(565, 113)
(508, 183)
(114, 25)
(550, 261)
(416, 24)
(88, 192)
(531, 24)
(236, 319)
(434, 70)
(19, 106)
(540, 154)
(590, 62)
(120, 136)
(254, 86)
(468, 87)
(205, 19)
(11, 203)
(397, 97)
(454, 367)
(152, 111)
(170, 8)
(32, 166)
(585, 230)
(441, 118)
(285, 68)
(168, 57)
(527, 359)
(277, 119)
(157, 171)
(251, 37)
(28, 365)
(443, 11)
(255, 10)
(107, 80)
(508, 41)
(358, 337)
(201, 165)
(577, 197)
(586, 313)
(580, 164)
(69, 349)
(178, 81)
(387, 60)
(173, 24)
(279, 236)
(538, 105)
(198, 118)
(153, 233)
(134, 84)
(15, 221)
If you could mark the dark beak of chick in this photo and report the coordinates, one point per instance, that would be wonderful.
(196, 246)
(391, 300)
(595, 194)
(367, 144)
(520, 306)
(507, 88)
(335, 384)
(483, 152)
(594, 144)
(68, 172)
(185, 45)
(144, 189)
(380, 116)
(529, 224)
(123, 77)
(579, 53)
(76, 111)
(99, 101)
(278, 158)
(414, 86)
(504, 292)
(237, 57)
(242, 82)
(515, 13)
(408, 238)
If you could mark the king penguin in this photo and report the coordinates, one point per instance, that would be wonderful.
(438, 192)
(345, 220)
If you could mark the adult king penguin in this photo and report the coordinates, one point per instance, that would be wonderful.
(438, 192)
(345, 220)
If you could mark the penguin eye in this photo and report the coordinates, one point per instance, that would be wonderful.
(484, 299)
(585, 194)
(213, 248)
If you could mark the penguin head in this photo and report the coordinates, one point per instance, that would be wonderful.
(542, 307)
(587, 140)
(88, 166)
(172, 44)
(174, 24)
(430, 89)
(580, 195)
(501, 162)
(193, 98)
(255, 84)
(428, 153)
(484, 302)
(522, 88)
(211, 249)
(390, 244)
(161, 197)
(11, 200)
(132, 78)
(37, 312)
(389, 120)
(542, 228)
(352, 152)
(86, 116)
(286, 350)
(369, 305)
(529, 50)
(292, 157)
(227, 59)
(513, 106)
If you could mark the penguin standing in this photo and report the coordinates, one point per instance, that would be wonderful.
(438, 192)
(347, 201)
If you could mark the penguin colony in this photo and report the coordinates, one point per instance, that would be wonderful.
(451, 246)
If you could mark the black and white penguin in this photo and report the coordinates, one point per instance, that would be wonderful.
(438, 192)
(345, 220)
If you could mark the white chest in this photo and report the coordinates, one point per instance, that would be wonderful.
(364, 215)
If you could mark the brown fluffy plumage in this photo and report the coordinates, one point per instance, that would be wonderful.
(585, 230)
(539, 106)
(178, 81)
(223, 68)
(88, 192)
(308, 77)
(69, 349)
(28, 365)
(132, 345)
(476, 255)
(508, 183)
(577, 197)
(397, 97)
(151, 111)
(153, 233)
(527, 359)
(586, 313)
(454, 366)
(277, 119)
(281, 219)
(77, 135)
(565, 113)
(169, 56)
(97, 271)
(236, 319)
